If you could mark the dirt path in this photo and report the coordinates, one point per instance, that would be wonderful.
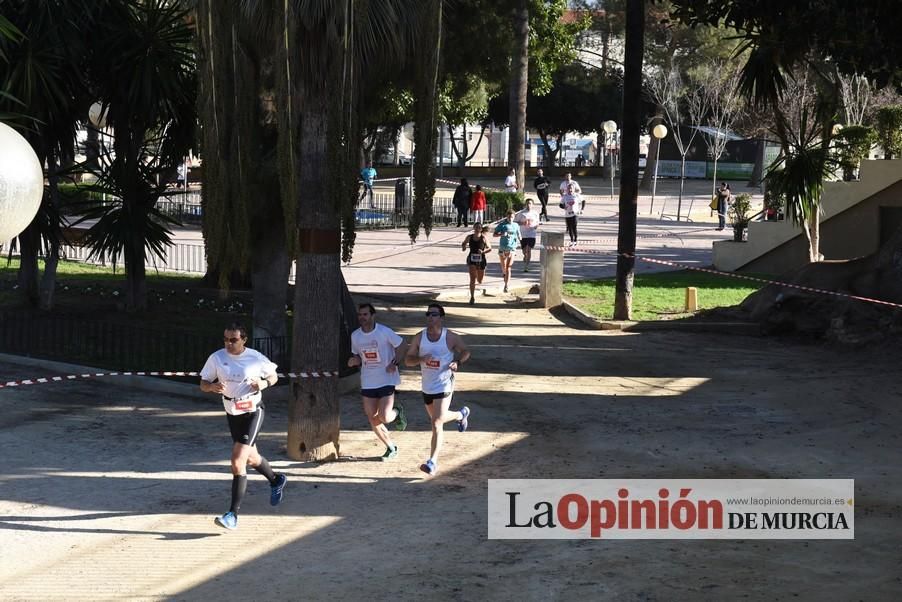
(109, 492)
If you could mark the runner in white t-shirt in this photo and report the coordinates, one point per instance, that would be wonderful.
(434, 350)
(239, 375)
(510, 182)
(378, 351)
(528, 220)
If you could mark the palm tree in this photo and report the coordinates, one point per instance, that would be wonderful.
(142, 71)
(43, 94)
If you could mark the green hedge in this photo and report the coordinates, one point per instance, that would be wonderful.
(889, 130)
(502, 201)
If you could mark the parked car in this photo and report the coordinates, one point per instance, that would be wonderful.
(388, 158)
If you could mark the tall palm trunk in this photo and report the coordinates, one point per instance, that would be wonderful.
(629, 172)
(518, 88)
(28, 279)
(51, 261)
(313, 416)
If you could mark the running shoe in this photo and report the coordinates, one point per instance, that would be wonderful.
(400, 422)
(277, 490)
(472, 301)
(390, 453)
(227, 521)
(505, 289)
(429, 467)
(463, 423)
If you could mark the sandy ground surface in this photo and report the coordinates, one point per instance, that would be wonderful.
(109, 491)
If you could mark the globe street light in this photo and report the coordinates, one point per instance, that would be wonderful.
(659, 132)
(21, 183)
(610, 132)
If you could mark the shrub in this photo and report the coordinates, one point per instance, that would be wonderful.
(740, 214)
(501, 202)
(853, 144)
(889, 130)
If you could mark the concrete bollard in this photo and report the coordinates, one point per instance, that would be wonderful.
(691, 298)
(552, 282)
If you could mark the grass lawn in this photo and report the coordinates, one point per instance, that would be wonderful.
(660, 295)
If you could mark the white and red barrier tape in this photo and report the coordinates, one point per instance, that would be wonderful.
(52, 379)
(820, 291)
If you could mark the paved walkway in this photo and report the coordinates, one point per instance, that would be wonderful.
(386, 263)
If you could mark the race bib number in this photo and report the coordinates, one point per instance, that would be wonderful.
(432, 364)
(244, 405)
(476, 257)
(371, 357)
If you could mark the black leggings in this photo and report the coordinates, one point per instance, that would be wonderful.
(571, 228)
(543, 198)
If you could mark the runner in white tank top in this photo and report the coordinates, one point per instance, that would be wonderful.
(435, 349)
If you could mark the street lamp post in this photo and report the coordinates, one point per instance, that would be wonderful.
(659, 132)
(610, 131)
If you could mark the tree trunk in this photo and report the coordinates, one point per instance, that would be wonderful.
(758, 169)
(518, 87)
(51, 261)
(135, 277)
(269, 275)
(682, 183)
(313, 413)
(814, 236)
(629, 170)
(28, 277)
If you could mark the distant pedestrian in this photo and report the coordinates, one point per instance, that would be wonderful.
(476, 244)
(541, 184)
(435, 349)
(572, 204)
(509, 233)
(378, 351)
(723, 199)
(510, 182)
(239, 375)
(528, 220)
(478, 204)
(181, 178)
(368, 176)
(461, 201)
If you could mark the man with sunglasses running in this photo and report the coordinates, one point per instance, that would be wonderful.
(239, 375)
(434, 349)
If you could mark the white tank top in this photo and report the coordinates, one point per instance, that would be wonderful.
(437, 376)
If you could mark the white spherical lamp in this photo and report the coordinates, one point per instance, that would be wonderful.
(97, 115)
(21, 183)
(609, 126)
(659, 131)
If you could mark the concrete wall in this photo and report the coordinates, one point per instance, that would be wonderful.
(850, 225)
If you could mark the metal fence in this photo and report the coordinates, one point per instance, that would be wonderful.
(118, 346)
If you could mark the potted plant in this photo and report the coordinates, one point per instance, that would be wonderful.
(773, 205)
(740, 214)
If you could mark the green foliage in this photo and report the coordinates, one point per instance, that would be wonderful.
(502, 202)
(857, 37)
(740, 211)
(853, 143)
(889, 130)
(552, 42)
